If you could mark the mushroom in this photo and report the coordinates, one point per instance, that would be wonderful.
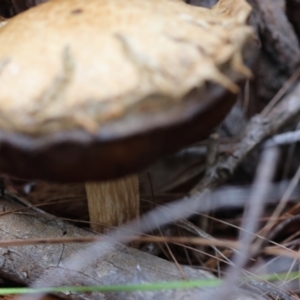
(97, 90)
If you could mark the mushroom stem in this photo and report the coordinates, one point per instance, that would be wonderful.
(112, 203)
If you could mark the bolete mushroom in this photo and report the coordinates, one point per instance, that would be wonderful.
(96, 90)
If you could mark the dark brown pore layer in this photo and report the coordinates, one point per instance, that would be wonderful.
(79, 156)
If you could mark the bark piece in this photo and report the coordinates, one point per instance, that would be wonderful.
(280, 52)
(293, 12)
(122, 265)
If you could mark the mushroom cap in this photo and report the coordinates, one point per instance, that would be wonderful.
(97, 89)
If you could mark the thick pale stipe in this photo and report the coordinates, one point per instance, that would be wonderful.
(113, 203)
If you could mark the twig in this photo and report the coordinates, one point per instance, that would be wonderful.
(265, 173)
(285, 138)
(258, 129)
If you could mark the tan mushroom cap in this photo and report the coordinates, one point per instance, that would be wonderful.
(74, 63)
(114, 69)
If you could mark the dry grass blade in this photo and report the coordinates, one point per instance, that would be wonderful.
(265, 231)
